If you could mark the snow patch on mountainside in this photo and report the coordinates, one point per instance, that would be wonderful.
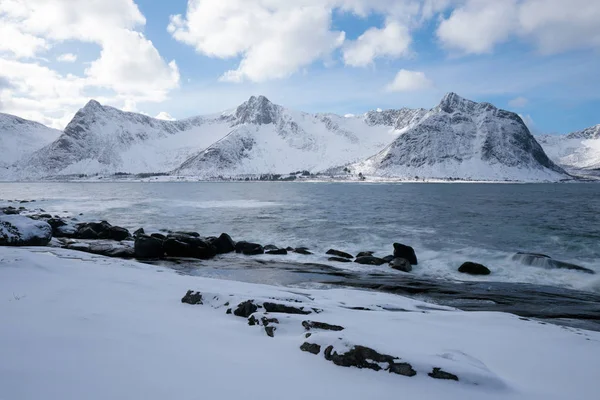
(20, 137)
(578, 150)
(463, 139)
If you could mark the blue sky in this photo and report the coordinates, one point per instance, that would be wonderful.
(540, 62)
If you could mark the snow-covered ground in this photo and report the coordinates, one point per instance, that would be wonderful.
(76, 326)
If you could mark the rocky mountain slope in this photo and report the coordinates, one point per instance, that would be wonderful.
(268, 138)
(20, 137)
(577, 150)
(464, 140)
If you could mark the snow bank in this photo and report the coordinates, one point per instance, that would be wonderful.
(80, 326)
(17, 230)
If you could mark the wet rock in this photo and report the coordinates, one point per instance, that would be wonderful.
(311, 348)
(282, 308)
(474, 269)
(245, 309)
(370, 260)
(365, 254)
(544, 261)
(148, 247)
(10, 211)
(192, 298)
(404, 251)
(185, 233)
(200, 249)
(270, 330)
(404, 369)
(117, 233)
(303, 251)
(249, 249)
(271, 247)
(338, 253)
(359, 357)
(277, 252)
(224, 244)
(339, 259)
(437, 373)
(401, 264)
(16, 230)
(138, 232)
(101, 230)
(159, 236)
(388, 259)
(102, 247)
(308, 325)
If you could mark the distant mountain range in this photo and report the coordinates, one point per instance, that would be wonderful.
(457, 139)
(577, 150)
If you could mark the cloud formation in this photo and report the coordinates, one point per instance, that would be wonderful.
(409, 81)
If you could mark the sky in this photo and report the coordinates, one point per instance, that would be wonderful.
(178, 58)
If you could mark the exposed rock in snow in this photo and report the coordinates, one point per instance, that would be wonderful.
(20, 137)
(17, 230)
(578, 150)
(465, 140)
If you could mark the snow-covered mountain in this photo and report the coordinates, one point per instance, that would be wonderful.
(20, 138)
(466, 140)
(577, 150)
(268, 138)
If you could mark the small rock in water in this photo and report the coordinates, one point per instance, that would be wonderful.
(308, 325)
(303, 251)
(311, 348)
(192, 298)
(339, 259)
(138, 232)
(370, 260)
(249, 249)
(277, 252)
(542, 260)
(401, 264)
(224, 244)
(159, 236)
(404, 251)
(245, 309)
(388, 259)
(270, 247)
(338, 253)
(474, 269)
(365, 254)
(437, 373)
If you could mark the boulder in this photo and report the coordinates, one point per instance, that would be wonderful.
(407, 252)
(474, 269)
(438, 373)
(388, 259)
(308, 325)
(148, 247)
(542, 260)
(10, 210)
(159, 236)
(364, 357)
(138, 232)
(249, 249)
(17, 230)
(339, 259)
(338, 253)
(198, 249)
(282, 308)
(277, 252)
(370, 260)
(101, 230)
(303, 251)
(103, 247)
(271, 247)
(224, 244)
(245, 309)
(192, 298)
(401, 264)
(311, 348)
(270, 331)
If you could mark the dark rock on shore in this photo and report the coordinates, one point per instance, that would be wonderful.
(107, 248)
(196, 249)
(270, 331)
(339, 259)
(308, 325)
(10, 210)
(277, 252)
(388, 259)
(303, 251)
(474, 269)
(401, 264)
(404, 251)
(249, 249)
(148, 247)
(359, 357)
(139, 232)
(159, 236)
(282, 308)
(404, 369)
(224, 244)
(245, 309)
(542, 260)
(192, 298)
(370, 260)
(338, 253)
(101, 230)
(16, 230)
(437, 373)
(311, 348)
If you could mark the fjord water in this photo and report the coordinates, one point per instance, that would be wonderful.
(447, 224)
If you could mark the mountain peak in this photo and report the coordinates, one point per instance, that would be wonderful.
(257, 110)
(92, 104)
(452, 102)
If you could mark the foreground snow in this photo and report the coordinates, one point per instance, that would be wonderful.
(77, 326)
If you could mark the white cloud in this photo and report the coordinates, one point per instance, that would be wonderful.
(409, 81)
(518, 102)
(165, 116)
(67, 57)
(392, 40)
(128, 68)
(530, 124)
(553, 26)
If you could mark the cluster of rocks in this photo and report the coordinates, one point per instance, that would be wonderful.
(403, 259)
(361, 357)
